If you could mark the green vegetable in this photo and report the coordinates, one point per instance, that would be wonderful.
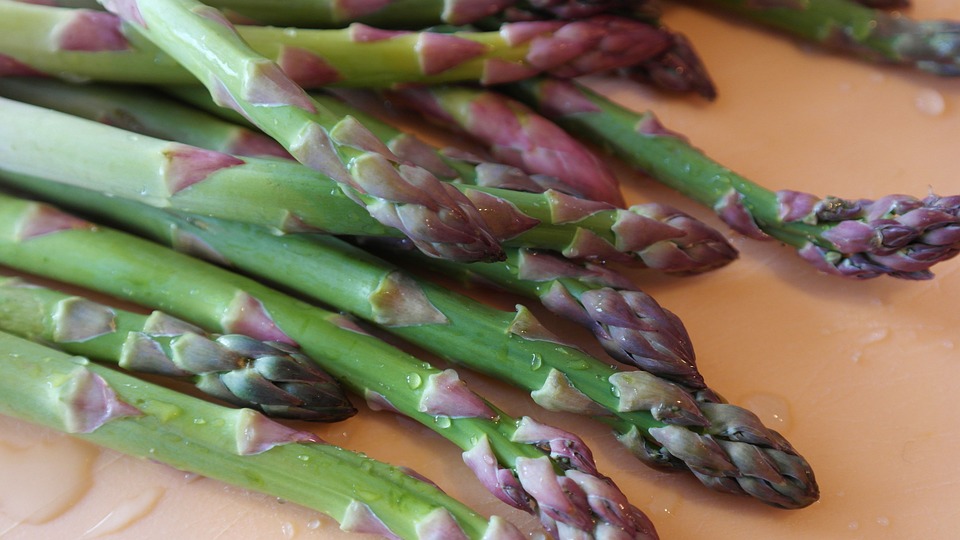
(201, 181)
(857, 29)
(272, 377)
(897, 235)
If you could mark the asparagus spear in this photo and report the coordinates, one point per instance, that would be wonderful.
(693, 247)
(240, 447)
(81, 43)
(169, 174)
(642, 333)
(529, 465)
(515, 136)
(511, 346)
(896, 235)
(854, 28)
(271, 377)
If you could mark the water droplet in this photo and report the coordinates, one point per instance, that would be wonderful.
(883, 521)
(313, 524)
(853, 525)
(772, 409)
(536, 361)
(929, 102)
(303, 457)
(199, 421)
(442, 421)
(414, 380)
(288, 530)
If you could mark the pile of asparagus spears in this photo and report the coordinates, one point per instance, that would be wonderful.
(225, 166)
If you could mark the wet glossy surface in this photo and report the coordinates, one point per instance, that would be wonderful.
(860, 376)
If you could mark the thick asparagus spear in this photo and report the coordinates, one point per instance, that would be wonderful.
(240, 447)
(531, 466)
(395, 193)
(510, 346)
(641, 333)
(897, 235)
(851, 27)
(80, 43)
(169, 174)
(274, 378)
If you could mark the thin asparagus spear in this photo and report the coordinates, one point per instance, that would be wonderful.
(397, 194)
(85, 44)
(511, 346)
(274, 378)
(534, 467)
(237, 446)
(896, 235)
(161, 173)
(851, 27)
(642, 333)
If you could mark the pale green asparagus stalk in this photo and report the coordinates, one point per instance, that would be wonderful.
(86, 44)
(274, 378)
(526, 464)
(511, 346)
(289, 197)
(237, 446)
(896, 235)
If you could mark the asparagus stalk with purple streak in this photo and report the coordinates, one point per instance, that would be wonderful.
(643, 409)
(515, 136)
(82, 43)
(238, 446)
(290, 197)
(854, 28)
(897, 235)
(274, 378)
(398, 194)
(531, 466)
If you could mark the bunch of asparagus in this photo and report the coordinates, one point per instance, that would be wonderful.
(539, 215)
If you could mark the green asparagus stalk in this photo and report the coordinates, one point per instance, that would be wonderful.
(529, 465)
(641, 333)
(692, 246)
(237, 446)
(273, 378)
(174, 175)
(398, 194)
(511, 346)
(896, 235)
(851, 27)
(86, 44)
